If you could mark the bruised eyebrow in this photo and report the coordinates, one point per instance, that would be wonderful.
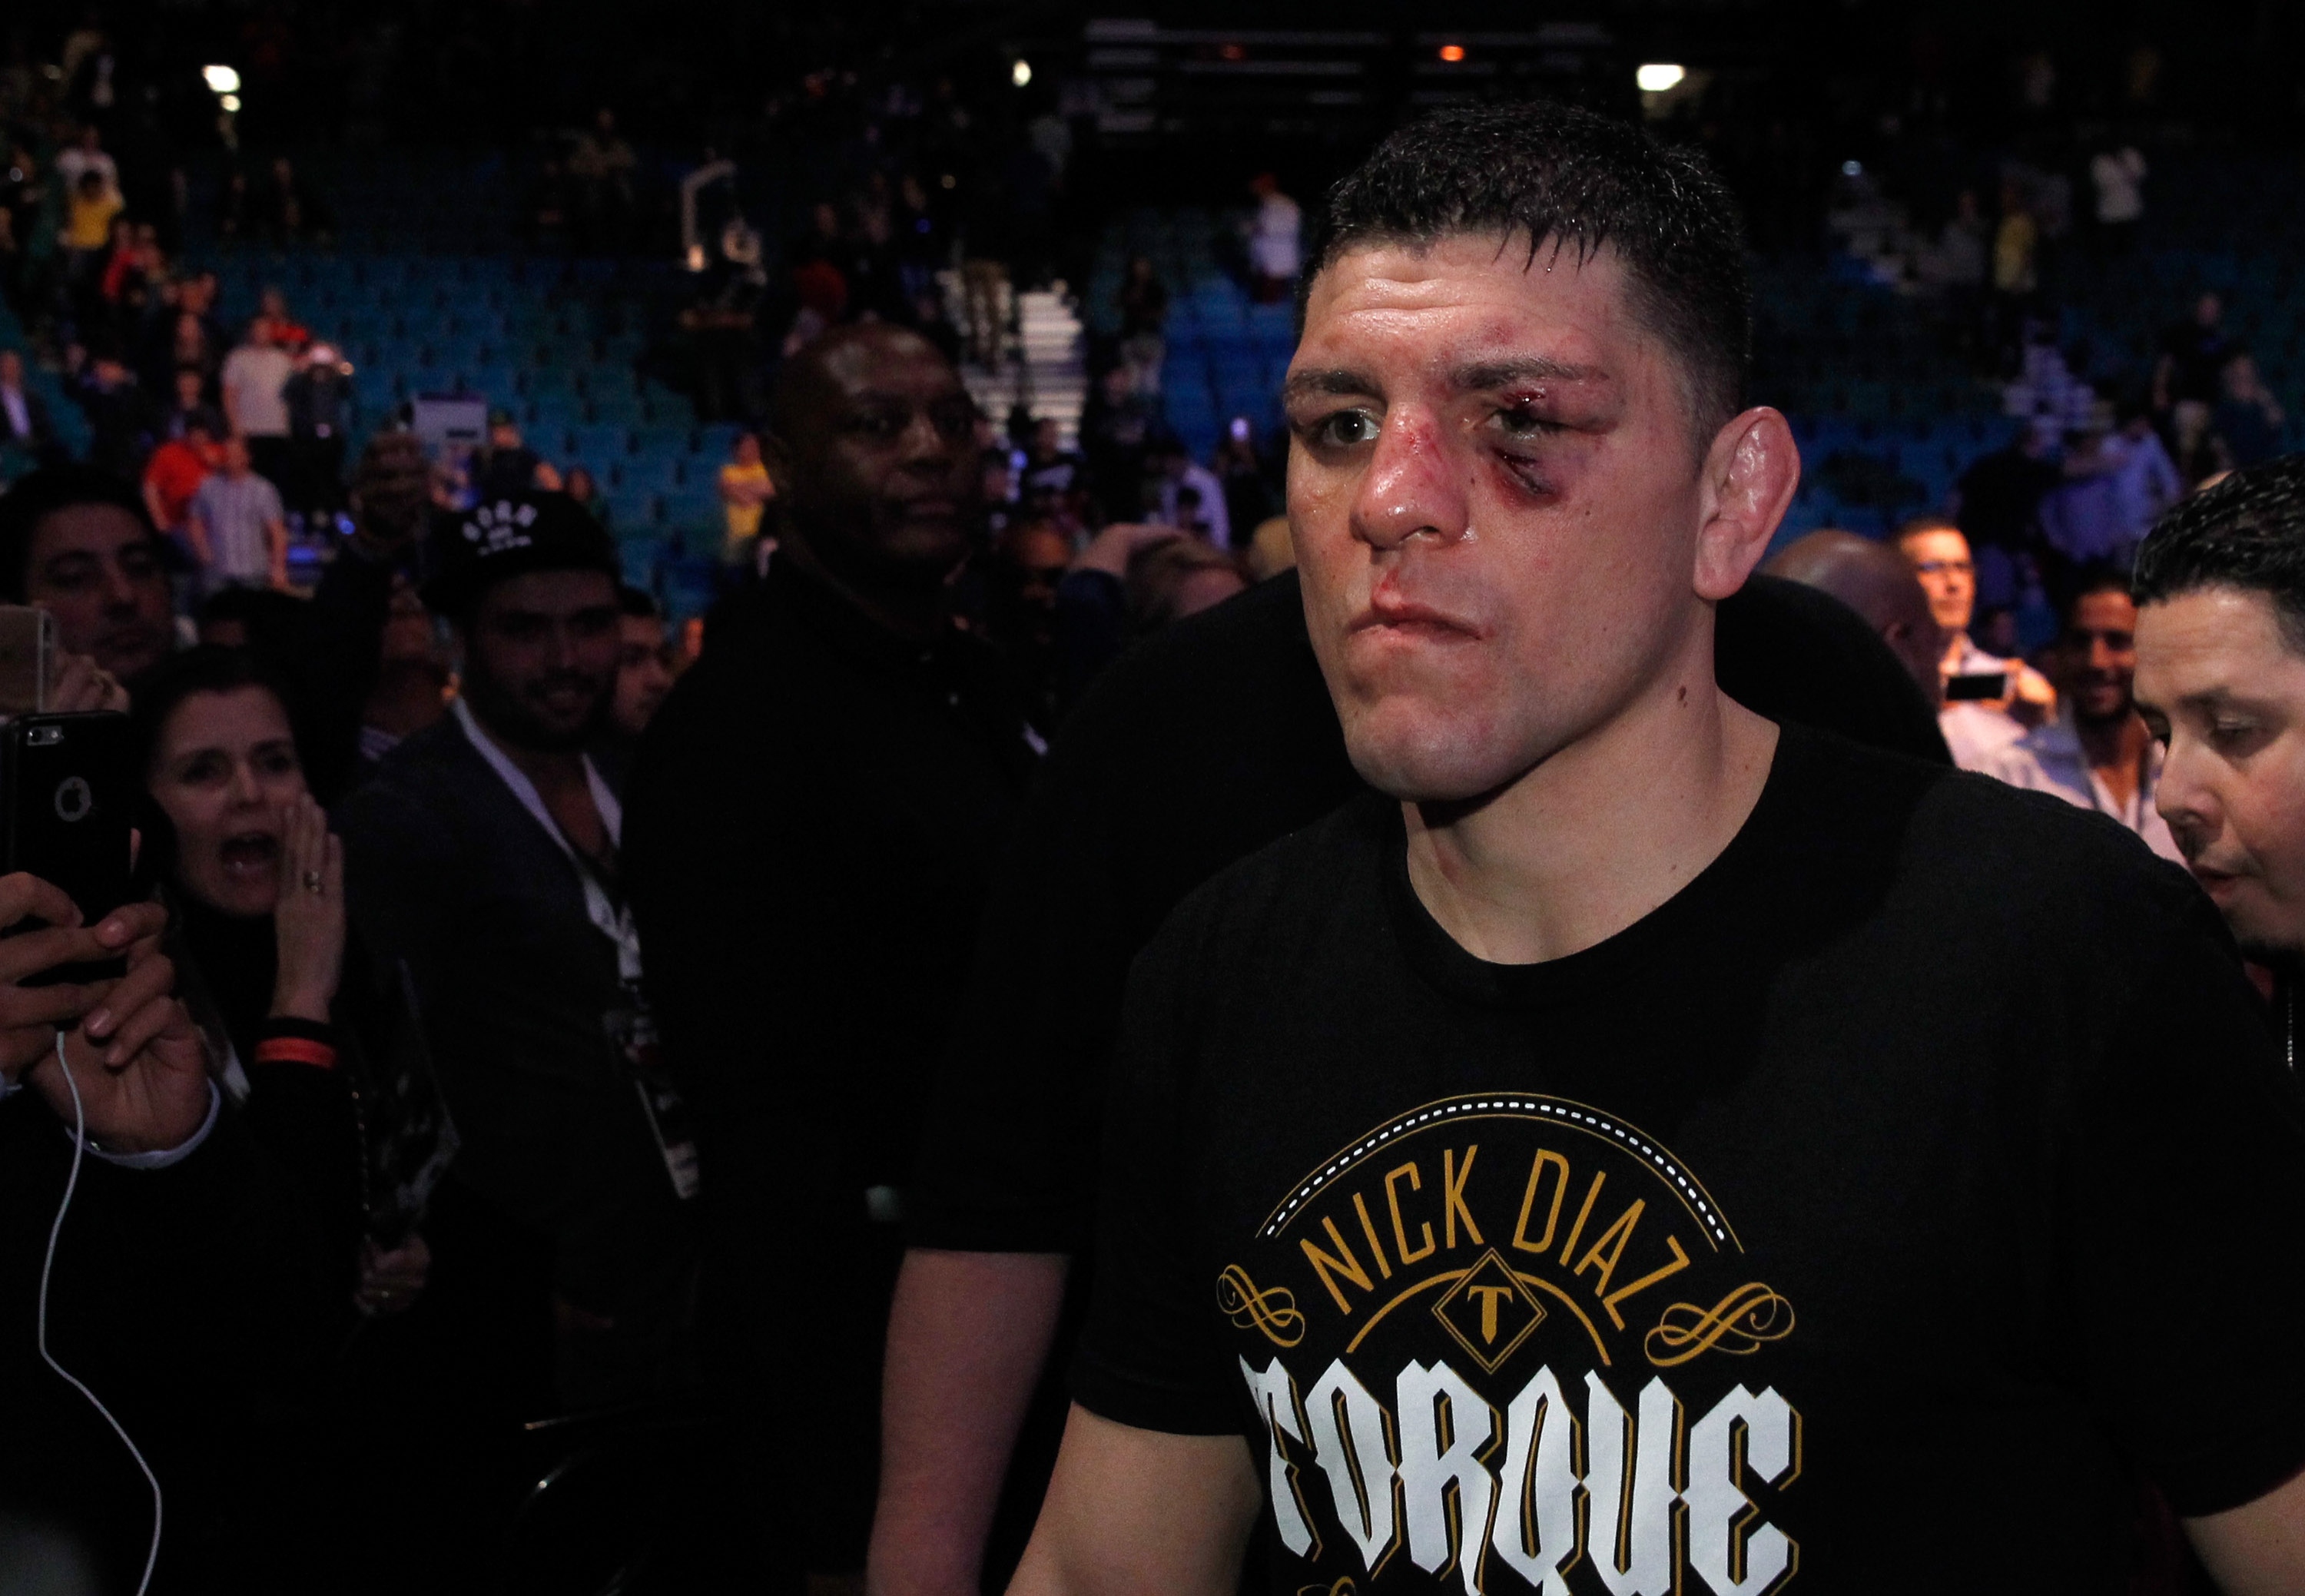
(1479, 377)
(1485, 376)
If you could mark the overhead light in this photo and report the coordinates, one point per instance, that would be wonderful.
(1657, 76)
(1852, 168)
(1452, 52)
(220, 80)
(1020, 73)
(230, 102)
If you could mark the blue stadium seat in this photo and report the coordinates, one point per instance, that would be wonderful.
(601, 444)
(696, 513)
(654, 473)
(499, 384)
(558, 411)
(643, 556)
(630, 514)
(611, 381)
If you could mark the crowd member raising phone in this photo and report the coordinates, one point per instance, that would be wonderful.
(182, 1277)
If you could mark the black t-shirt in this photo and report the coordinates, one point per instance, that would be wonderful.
(1868, 1212)
(1204, 743)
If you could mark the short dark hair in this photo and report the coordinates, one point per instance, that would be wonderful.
(637, 602)
(2086, 581)
(273, 620)
(209, 668)
(39, 494)
(1556, 174)
(2246, 532)
(206, 668)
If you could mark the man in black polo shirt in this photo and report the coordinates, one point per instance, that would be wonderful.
(1636, 1152)
(815, 812)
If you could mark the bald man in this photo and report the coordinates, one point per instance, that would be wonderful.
(1878, 582)
(809, 835)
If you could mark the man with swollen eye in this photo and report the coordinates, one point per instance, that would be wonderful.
(1627, 1150)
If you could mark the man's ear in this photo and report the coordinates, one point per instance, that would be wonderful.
(1750, 474)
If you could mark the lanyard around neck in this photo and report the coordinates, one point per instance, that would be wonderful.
(612, 922)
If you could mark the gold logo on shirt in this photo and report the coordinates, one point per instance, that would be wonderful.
(1740, 1323)
(1489, 1311)
(1502, 1215)
(1274, 1312)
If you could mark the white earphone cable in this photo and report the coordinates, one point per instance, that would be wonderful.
(47, 1267)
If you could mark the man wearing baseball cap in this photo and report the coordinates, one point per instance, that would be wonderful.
(484, 854)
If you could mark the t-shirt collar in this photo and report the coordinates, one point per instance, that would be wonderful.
(1677, 928)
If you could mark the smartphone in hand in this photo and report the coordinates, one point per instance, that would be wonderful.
(66, 802)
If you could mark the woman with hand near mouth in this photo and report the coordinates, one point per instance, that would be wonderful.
(254, 880)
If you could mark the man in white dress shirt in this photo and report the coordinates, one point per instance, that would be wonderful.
(2096, 753)
(1974, 727)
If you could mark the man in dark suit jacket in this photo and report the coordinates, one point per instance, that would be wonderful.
(483, 852)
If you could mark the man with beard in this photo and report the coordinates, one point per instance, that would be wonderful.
(2096, 753)
(483, 853)
(815, 814)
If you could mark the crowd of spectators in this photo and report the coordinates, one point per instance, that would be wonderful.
(236, 435)
(939, 208)
(568, 1012)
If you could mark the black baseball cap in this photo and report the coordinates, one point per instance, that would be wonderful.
(512, 536)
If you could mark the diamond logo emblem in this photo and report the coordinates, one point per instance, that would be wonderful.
(1490, 1311)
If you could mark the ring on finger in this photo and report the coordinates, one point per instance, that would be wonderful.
(312, 883)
